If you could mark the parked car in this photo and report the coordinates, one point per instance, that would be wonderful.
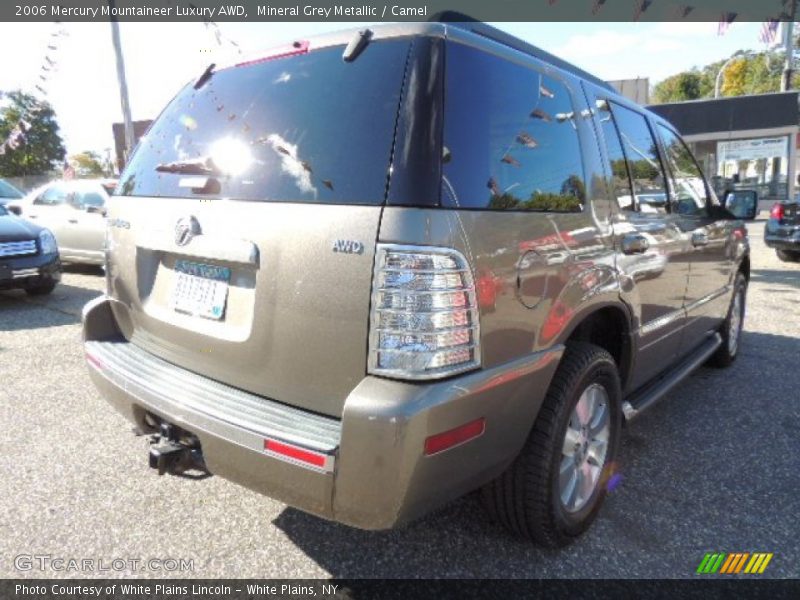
(28, 256)
(74, 211)
(8, 192)
(282, 314)
(782, 230)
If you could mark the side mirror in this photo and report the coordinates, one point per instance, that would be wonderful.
(742, 204)
(99, 210)
(13, 208)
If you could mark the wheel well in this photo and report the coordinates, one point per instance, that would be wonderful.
(608, 328)
(744, 268)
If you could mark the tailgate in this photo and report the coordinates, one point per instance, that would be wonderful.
(243, 230)
(294, 322)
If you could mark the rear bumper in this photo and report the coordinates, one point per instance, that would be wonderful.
(375, 474)
(24, 271)
(782, 237)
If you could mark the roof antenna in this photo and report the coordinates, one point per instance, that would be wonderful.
(357, 45)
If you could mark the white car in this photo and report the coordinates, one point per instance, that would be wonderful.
(75, 212)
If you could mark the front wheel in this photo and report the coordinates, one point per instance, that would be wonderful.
(731, 329)
(42, 288)
(788, 255)
(554, 489)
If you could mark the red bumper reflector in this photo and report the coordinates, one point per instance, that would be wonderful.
(454, 437)
(296, 453)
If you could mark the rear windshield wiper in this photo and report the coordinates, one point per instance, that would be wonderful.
(195, 166)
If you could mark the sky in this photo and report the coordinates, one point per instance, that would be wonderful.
(161, 57)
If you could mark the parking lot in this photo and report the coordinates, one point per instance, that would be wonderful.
(714, 467)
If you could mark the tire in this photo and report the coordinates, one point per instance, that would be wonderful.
(527, 498)
(788, 255)
(41, 289)
(731, 328)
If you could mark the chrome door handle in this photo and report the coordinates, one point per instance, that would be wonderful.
(72, 221)
(635, 244)
(699, 238)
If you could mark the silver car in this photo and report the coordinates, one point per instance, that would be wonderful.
(75, 212)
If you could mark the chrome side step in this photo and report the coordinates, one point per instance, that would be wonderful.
(641, 400)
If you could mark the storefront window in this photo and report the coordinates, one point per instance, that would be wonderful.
(759, 164)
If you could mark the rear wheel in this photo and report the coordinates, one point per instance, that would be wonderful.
(42, 288)
(788, 255)
(555, 487)
(731, 329)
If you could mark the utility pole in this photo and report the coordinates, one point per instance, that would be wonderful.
(123, 85)
(788, 69)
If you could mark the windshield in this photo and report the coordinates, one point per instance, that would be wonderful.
(309, 128)
(9, 191)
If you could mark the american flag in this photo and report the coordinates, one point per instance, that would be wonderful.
(725, 22)
(641, 6)
(598, 4)
(68, 170)
(769, 30)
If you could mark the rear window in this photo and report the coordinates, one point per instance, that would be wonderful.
(308, 128)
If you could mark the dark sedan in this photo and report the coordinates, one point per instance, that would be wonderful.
(28, 256)
(8, 192)
(782, 231)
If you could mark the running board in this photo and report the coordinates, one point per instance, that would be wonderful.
(640, 401)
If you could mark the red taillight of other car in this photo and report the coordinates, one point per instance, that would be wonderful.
(777, 211)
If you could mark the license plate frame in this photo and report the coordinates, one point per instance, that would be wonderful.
(200, 289)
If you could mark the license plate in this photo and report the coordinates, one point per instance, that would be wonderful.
(200, 290)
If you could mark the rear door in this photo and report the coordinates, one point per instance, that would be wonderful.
(653, 251)
(243, 237)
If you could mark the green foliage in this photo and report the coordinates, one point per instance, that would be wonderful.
(88, 164)
(679, 88)
(41, 147)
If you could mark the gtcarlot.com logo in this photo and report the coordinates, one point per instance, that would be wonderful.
(722, 563)
(48, 562)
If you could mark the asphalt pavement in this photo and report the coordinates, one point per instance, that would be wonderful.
(715, 467)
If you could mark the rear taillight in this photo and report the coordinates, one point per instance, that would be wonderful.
(424, 321)
(777, 211)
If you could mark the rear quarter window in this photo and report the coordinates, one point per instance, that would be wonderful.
(510, 139)
(306, 128)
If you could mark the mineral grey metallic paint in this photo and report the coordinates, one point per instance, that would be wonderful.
(296, 330)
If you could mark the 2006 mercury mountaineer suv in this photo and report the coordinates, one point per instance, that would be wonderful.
(369, 272)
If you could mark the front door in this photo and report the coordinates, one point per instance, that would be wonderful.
(652, 249)
(711, 232)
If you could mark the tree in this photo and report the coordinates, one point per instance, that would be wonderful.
(88, 164)
(678, 88)
(750, 73)
(39, 148)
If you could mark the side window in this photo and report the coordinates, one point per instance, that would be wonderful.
(689, 192)
(621, 180)
(52, 196)
(510, 139)
(641, 154)
(81, 200)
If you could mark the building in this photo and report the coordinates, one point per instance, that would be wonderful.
(139, 129)
(637, 90)
(743, 142)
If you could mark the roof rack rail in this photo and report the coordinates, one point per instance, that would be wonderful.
(467, 23)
